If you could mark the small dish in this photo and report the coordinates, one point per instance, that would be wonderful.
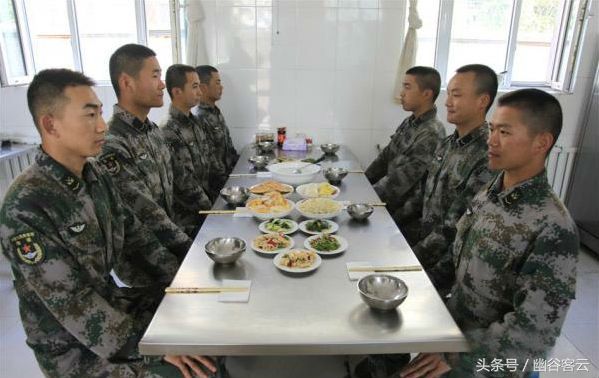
(314, 190)
(293, 226)
(319, 205)
(342, 244)
(303, 226)
(274, 251)
(280, 256)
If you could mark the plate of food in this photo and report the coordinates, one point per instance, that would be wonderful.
(271, 205)
(297, 261)
(326, 244)
(272, 244)
(318, 189)
(278, 225)
(271, 186)
(318, 226)
(319, 208)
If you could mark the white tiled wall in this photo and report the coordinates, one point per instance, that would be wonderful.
(322, 67)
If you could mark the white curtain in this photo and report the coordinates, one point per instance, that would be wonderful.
(196, 42)
(410, 47)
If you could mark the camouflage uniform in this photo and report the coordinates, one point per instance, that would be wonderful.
(224, 154)
(191, 151)
(63, 235)
(457, 172)
(139, 160)
(514, 260)
(401, 165)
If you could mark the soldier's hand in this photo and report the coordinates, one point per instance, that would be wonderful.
(190, 365)
(427, 365)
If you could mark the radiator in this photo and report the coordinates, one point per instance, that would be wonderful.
(12, 166)
(559, 168)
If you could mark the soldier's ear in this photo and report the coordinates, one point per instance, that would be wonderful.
(543, 142)
(47, 124)
(125, 82)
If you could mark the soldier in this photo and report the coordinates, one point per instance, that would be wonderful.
(135, 153)
(190, 148)
(458, 169)
(398, 169)
(225, 156)
(514, 257)
(63, 228)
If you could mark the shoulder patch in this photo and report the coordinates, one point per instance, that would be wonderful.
(111, 164)
(28, 248)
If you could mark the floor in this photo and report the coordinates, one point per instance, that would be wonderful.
(579, 340)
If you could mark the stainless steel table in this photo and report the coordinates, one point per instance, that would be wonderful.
(317, 314)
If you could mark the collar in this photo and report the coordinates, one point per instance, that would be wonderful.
(427, 116)
(530, 190)
(479, 132)
(178, 114)
(66, 178)
(131, 119)
(203, 106)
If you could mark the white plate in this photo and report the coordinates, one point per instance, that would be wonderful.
(283, 172)
(321, 215)
(276, 251)
(294, 227)
(266, 216)
(342, 245)
(277, 261)
(302, 188)
(332, 230)
(261, 194)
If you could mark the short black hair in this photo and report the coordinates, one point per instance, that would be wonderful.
(541, 112)
(427, 78)
(46, 91)
(176, 77)
(486, 80)
(205, 73)
(127, 59)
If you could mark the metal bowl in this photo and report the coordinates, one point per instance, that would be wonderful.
(225, 250)
(259, 161)
(266, 146)
(360, 211)
(382, 291)
(334, 175)
(235, 195)
(329, 148)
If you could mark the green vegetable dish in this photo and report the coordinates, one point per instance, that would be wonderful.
(279, 225)
(318, 225)
(325, 243)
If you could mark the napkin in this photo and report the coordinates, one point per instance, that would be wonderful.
(240, 296)
(242, 212)
(264, 174)
(353, 276)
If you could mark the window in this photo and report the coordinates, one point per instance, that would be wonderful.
(78, 34)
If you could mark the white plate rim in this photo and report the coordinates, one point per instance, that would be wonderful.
(294, 228)
(297, 190)
(276, 251)
(278, 257)
(302, 227)
(318, 216)
(342, 241)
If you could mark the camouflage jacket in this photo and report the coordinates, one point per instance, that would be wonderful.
(63, 235)
(403, 162)
(224, 154)
(457, 172)
(139, 160)
(191, 151)
(514, 260)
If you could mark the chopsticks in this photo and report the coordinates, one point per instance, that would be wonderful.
(214, 212)
(355, 171)
(204, 290)
(390, 268)
(243, 175)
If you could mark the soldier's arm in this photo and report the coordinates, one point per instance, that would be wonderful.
(66, 291)
(378, 168)
(433, 246)
(135, 192)
(406, 169)
(232, 155)
(547, 284)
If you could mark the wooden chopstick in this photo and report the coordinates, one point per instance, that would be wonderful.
(355, 171)
(242, 174)
(406, 268)
(378, 204)
(214, 212)
(204, 290)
